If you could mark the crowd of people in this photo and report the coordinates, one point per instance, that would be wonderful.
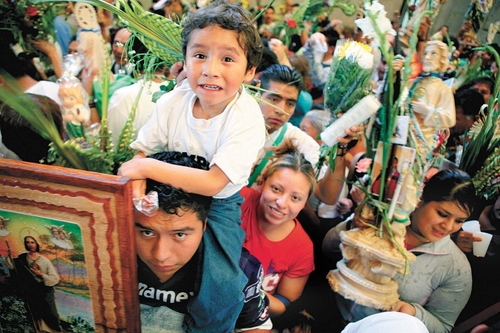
(249, 213)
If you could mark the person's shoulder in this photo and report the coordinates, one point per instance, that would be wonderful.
(294, 132)
(457, 254)
(127, 91)
(450, 255)
(247, 192)
(245, 104)
(43, 85)
(180, 91)
(46, 88)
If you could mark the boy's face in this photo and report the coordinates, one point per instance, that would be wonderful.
(283, 99)
(216, 67)
(166, 242)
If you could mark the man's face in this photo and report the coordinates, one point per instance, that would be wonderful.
(173, 9)
(269, 16)
(30, 244)
(432, 56)
(483, 89)
(73, 47)
(283, 99)
(166, 242)
(119, 41)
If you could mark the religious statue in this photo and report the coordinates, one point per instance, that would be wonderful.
(429, 103)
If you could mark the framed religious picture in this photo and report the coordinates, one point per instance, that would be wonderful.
(401, 159)
(67, 259)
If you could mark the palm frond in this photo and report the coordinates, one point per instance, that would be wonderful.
(159, 34)
(42, 123)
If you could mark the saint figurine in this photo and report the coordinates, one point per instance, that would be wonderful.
(430, 105)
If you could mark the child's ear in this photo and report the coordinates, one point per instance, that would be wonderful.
(250, 74)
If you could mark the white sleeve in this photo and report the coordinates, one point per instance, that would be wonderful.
(153, 136)
(120, 105)
(306, 145)
(50, 276)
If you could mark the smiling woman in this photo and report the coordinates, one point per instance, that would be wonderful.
(440, 276)
(273, 234)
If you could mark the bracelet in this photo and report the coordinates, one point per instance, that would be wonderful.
(282, 299)
(92, 105)
(348, 225)
(341, 150)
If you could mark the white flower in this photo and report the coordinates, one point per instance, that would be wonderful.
(362, 57)
(365, 60)
(382, 22)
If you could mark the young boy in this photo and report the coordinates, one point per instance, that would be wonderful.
(169, 255)
(210, 115)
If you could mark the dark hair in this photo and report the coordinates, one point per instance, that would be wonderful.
(26, 61)
(26, 246)
(469, 100)
(11, 63)
(451, 185)
(332, 36)
(20, 136)
(268, 58)
(171, 199)
(299, 62)
(281, 74)
(230, 17)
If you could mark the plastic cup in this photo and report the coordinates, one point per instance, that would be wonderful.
(479, 248)
(471, 226)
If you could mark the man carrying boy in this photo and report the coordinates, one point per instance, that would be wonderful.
(210, 115)
(170, 255)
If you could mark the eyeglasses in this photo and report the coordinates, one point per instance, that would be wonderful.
(118, 44)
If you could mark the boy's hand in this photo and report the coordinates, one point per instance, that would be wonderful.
(133, 169)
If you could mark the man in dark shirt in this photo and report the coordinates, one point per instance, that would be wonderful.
(168, 241)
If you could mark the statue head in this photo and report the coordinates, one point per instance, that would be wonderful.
(435, 57)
